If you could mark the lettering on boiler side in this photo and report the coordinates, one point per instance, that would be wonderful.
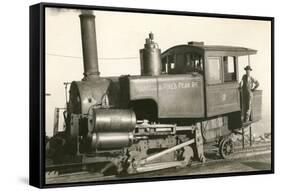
(179, 85)
(168, 86)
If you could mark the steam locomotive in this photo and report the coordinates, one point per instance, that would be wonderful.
(185, 98)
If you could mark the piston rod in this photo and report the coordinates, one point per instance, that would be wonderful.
(155, 156)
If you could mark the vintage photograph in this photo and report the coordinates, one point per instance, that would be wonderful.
(133, 96)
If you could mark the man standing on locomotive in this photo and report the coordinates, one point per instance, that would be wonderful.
(248, 84)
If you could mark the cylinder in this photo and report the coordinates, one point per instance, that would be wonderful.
(150, 58)
(101, 141)
(89, 46)
(114, 120)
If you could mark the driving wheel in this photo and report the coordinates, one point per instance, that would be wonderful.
(226, 148)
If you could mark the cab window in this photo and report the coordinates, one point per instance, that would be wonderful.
(171, 64)
(194, 63)
(165, 64)
(168, 64)
(229, 63)
(182, 63)
(214, 70)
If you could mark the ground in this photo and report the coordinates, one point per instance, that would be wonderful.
(245, 162)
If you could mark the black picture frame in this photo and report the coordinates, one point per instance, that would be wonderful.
(37, 92)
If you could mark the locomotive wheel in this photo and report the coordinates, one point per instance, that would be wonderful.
(109, 169)
(55, 149)
(129, 163)
(188, 155)
(226, 148)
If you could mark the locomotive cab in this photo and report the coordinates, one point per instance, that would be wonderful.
(222, 80)
(219, 67)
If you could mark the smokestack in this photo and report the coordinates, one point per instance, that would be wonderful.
(89, 46)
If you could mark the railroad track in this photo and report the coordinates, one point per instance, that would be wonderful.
(52, 177)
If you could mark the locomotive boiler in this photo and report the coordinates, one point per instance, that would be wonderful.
(183, 99)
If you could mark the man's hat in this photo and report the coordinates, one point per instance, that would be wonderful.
(248, 68)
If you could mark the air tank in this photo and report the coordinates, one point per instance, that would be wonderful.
(150, 57)
(112, 120)
(108, 140)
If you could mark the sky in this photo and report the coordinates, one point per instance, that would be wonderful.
(120, 36)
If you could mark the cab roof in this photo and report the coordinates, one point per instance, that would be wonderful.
(238, 51)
